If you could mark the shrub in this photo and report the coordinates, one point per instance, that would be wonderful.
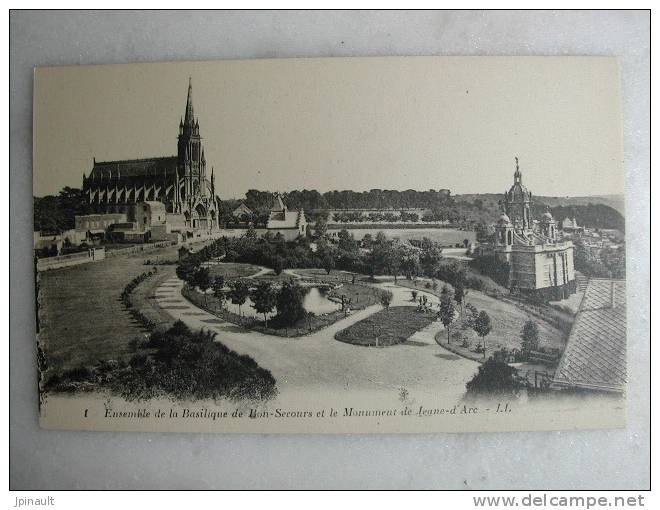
(529, 337)
(138, 360)
(192, 365)
(494, 378)
(77, 374)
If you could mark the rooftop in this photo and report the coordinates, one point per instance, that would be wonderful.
(595, 354)
(134, 167)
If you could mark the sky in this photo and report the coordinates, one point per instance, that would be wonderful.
(337, 123)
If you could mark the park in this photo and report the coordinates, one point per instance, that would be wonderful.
(266, 318)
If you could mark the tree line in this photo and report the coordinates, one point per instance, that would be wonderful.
(56, 213)
(348, 199)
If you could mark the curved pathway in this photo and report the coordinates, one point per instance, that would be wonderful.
(319, 363)
(262, 271)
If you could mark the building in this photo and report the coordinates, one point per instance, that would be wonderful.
(595, 355)
(291, 224)
(241, 211)
(95, 226)
(570, 225)
(179, 182)
(540, 261)
(128, 232)
(47, 244)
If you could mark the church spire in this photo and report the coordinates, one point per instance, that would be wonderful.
(190, 114)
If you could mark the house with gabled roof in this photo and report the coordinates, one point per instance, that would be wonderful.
(241, 211)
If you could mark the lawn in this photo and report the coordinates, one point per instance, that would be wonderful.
(232, 270)
(507, 320)
(360, 296)
(386, 328)
(81, 316)
(335, 276)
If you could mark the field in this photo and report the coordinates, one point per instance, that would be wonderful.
(386, 328)
(444, 236)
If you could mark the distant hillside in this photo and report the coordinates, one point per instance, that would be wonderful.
(604, 211)
(590, 215)
(616, 202)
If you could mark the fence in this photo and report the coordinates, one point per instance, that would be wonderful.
(537, 381)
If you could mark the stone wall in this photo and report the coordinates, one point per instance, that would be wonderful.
(73, 259)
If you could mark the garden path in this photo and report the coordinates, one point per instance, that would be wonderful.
(317, 363)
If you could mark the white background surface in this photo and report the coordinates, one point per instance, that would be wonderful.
(41, 459)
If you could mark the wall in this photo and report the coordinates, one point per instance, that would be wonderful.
(73, 259)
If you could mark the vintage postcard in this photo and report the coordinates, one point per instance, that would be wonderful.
(340, 245)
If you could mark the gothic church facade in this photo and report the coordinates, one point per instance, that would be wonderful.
(179, 182)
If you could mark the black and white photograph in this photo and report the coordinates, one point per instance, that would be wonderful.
(399, 244)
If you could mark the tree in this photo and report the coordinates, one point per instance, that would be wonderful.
(238, 293)
(530, 337)
(492, 266)
(346, 241)
(471, 316)
(459, 289)
(202, 280)
(367, 241)
(251, 233)
(57, 213)
(386, 299)
(218, 292)
(290, 300)
(187, 269)
(482, 326)
(394, 258)
(264, 299)
(278, 265)
(409, 260)
(328, 261)
(446, 309)
(321, 227)
(430, 256)
(494, 378)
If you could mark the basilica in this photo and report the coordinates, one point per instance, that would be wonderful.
(179, 182)
(540, 261)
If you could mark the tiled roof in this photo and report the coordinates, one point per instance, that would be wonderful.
(595, 354)
(135, 167)
(242, 208)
